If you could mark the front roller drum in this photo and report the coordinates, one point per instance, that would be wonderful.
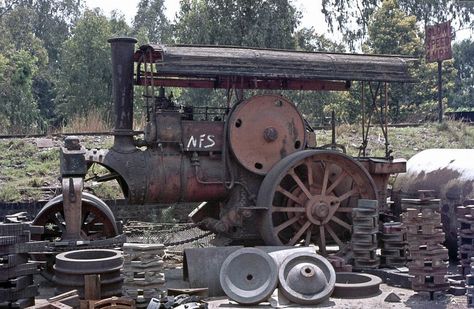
(97, 223)
(309, 197)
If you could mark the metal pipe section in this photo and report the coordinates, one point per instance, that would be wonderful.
(122, 81)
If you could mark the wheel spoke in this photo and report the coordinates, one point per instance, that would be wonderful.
(307, 240)
(85, 216)
(309, 169)
(341, 223)
(286, 224)
(58, 223)
(288, 209)
(322, 240)
(344, 209)
(347, 195)
(334, 236)
(300, 184)
(336, 182)
(289, 195)
(325, 180)
(298, 235)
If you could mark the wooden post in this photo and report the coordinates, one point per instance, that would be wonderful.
(440, 92)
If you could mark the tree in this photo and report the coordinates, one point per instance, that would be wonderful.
(85, 77)
(152, 21)
(463, 93)
(307, 39)
(392, 31)
(352, 17)
(17, 103)
(269, 24)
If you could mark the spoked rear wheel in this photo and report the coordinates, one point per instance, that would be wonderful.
(310, 196)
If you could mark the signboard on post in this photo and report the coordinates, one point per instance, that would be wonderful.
(438, 48)
(438, 42)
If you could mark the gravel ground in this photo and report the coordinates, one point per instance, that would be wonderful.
(409, 299)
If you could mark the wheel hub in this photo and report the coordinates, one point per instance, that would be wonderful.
(320, 209)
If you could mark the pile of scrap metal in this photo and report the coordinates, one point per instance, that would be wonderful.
(17, 288)
(449, 173)
(465, 238)
(143, 271)
(365, 227)
(251, 275)
(428, 257)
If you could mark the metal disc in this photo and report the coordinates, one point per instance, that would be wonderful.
(263, 130)
(249, 276)
(306, 279)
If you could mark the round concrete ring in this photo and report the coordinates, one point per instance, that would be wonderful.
(356, 285)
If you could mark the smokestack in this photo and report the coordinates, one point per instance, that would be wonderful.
(122, 81)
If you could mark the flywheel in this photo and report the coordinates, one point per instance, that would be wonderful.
(309, 198)
(265, 129)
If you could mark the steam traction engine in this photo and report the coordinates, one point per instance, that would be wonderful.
(254, 163)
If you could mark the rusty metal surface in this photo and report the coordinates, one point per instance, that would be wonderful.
(465, 238)
(143, 270)
(211, 61)
(122, 83)
(203, 135)
(309, 197)
(394, 244)
(16, 272)
(365, 227)
(427, 256)
(380, 170)
(263, 130)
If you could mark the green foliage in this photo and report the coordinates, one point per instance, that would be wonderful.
(85, 77)
(152, 22)
(309, 40)
(463, 93)
(17, 103)
(268, 24)
(352, 18)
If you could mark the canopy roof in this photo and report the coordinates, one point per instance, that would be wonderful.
(285, 69)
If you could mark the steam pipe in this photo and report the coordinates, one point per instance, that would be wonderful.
(122, 81)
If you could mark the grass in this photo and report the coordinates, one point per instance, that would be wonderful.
(25, 169)
(404, 141)
(93, 121)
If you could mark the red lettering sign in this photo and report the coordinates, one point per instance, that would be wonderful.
(438, 42)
